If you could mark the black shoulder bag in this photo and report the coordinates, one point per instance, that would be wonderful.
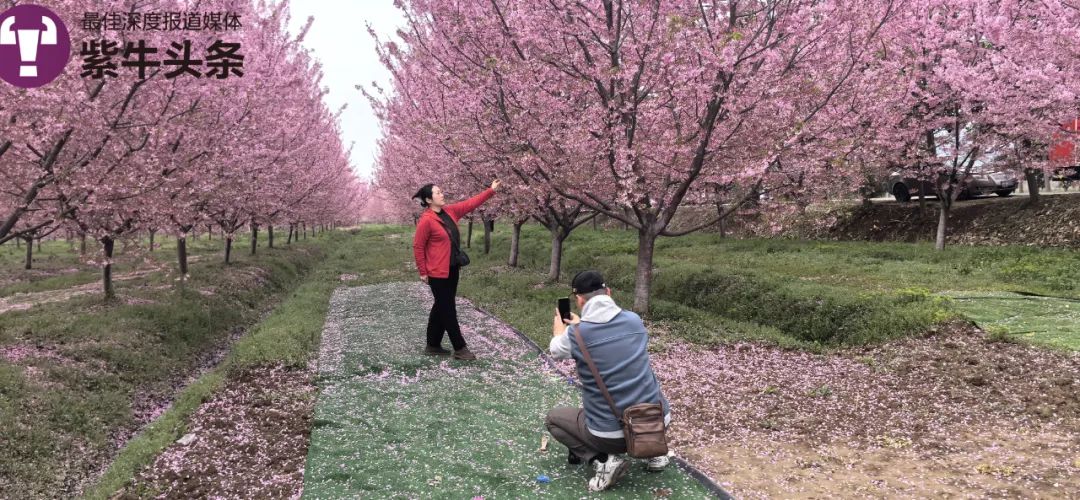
(458, 257)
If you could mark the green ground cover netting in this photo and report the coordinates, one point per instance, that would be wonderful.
(1043, 320)
(393, 423)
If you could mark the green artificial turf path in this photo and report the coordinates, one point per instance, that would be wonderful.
(1048, 321)
(393, 423)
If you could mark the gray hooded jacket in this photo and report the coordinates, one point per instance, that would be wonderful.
(618, 343)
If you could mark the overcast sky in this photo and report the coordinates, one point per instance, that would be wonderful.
(339, 39)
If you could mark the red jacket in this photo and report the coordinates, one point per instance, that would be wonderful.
(431, 244)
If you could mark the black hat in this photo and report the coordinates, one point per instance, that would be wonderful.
(588, 282)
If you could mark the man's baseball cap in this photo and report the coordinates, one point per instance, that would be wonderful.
(588, 282)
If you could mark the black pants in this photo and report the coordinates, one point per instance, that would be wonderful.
(443, 317)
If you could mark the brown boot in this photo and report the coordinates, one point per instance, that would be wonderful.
(464, 354)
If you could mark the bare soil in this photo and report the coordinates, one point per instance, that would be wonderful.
(1054, 222)
(249, 441)
(953, 414)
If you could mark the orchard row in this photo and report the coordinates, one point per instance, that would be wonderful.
(114, 158)
(632, 109)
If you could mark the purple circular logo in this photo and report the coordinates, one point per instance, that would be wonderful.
(34, 46)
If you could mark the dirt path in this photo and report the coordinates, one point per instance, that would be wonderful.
(23, 301)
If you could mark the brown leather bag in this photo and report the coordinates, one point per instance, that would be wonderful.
(642, 424)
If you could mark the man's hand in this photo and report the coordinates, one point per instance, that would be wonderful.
(495, 184)
(558, 326)
(424, 279)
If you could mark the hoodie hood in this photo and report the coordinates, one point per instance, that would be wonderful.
(600, 309)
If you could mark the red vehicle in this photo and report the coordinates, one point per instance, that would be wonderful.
(1065, 152)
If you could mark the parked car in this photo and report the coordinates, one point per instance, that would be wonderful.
(982, 181)
(1067, 174)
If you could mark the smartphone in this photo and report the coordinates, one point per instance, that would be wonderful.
(564, 308)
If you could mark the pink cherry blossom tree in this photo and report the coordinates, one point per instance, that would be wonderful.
(629, 108)
(982, 82)
(114, 158)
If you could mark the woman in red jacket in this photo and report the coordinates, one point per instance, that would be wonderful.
(437, 248)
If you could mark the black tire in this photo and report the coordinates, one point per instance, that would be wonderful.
(901, 192)
(1004, 193)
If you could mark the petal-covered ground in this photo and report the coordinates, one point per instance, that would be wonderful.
(393, 423)
(953, 414)
(248, 441)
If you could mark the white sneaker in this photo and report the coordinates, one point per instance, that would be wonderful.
(657, 464)
(607, 473)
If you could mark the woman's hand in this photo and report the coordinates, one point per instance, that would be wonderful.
(495, 184)
(424, 279)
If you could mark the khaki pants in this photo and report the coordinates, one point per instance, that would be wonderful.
(567, 426)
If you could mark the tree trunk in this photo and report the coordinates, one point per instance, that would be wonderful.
(228, 248)
(288, 241)
(643, 277)
(596, 222)
(489, 226)
(270, 236)
(557, 239)
(723, 227)
(106, 273)
(209, 232)
(254, 237)
(39, 244)
(181, 257)
(514, 245)
(152, 240)
(468, 242)
(304, 226)
(1032, 176)
(943, 219)
(82, 244)
(30, 252)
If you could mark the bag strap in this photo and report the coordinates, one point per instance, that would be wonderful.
(456, 242)
(595, 372)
